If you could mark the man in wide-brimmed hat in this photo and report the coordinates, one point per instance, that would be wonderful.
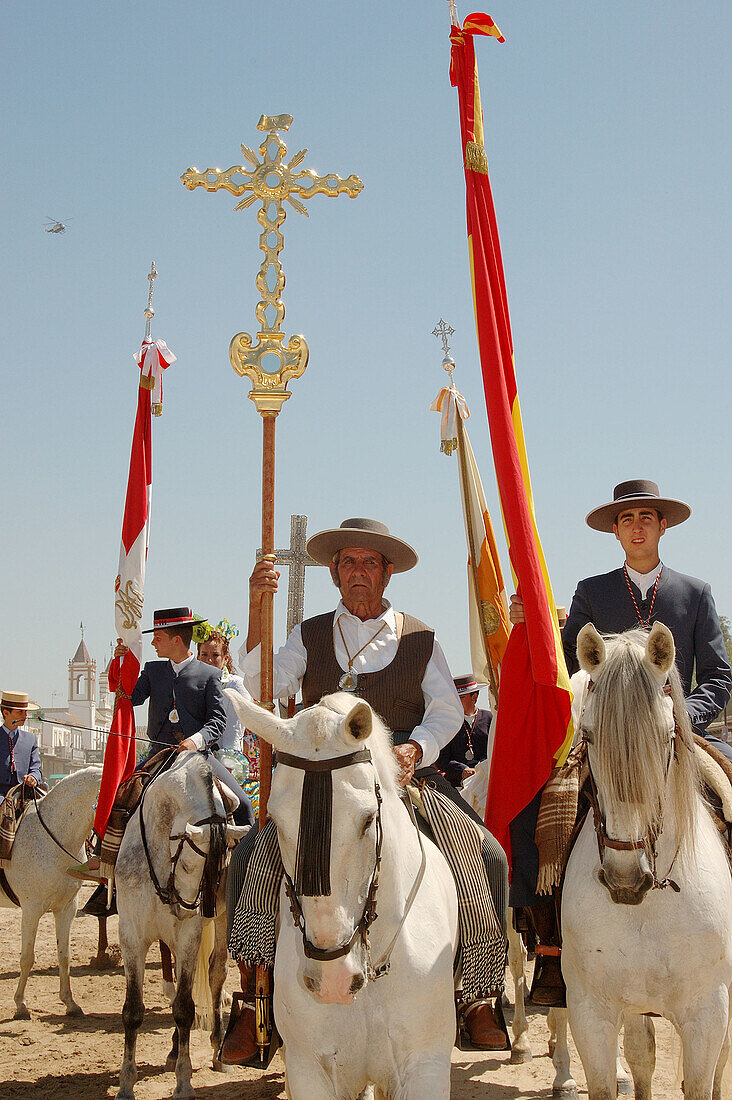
(394, 662)
(20, 761)
(186, 706)
(644, 591)
(458, 758)
(641, 592)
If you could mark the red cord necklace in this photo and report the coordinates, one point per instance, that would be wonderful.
(645, 623)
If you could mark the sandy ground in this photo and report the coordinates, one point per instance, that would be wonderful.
(53, 1056)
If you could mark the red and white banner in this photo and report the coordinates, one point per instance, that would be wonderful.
(129, 587)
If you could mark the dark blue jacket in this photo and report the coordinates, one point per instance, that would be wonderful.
(27, 758)
(683, 604)
(452, 760)
(199, 700)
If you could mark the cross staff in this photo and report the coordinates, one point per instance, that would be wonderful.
(269, 363)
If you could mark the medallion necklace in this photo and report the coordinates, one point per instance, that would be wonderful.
(470, 726)
(645, 623)
(349, 679)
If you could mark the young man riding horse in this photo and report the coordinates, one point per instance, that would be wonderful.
(394, 662)
(643, 591)
(186, 710)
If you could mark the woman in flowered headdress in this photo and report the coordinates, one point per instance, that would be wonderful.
(239, 750)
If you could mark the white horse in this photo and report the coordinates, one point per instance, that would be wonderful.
(647, 919)
(172, 853)
(346, 1029)
(37, 873)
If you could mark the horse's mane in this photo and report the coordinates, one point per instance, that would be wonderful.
(631, 742)
(379, 743)
(73, 786)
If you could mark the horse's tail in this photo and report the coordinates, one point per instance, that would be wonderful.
(201, 989)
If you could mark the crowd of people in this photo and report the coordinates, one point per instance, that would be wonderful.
(393, 661)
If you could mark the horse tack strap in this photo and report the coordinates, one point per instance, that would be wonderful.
(7, 888)
(332, 765)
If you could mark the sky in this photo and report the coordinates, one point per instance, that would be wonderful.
(608, 144)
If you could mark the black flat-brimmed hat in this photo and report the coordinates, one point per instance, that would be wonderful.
(173, 616)
(637, 494)
(467, 684)
(366, 533)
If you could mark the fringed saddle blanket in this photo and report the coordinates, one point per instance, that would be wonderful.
(482, 945)
(12, 809)
(560, 798)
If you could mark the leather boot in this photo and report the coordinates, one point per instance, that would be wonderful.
(484, 1028)
(547, 988)
(240, 1042)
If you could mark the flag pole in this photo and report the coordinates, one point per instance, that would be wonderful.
(269, 362)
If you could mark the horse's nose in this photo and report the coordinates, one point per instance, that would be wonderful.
(311, 984)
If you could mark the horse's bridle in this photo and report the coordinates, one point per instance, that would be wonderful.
(168, 894)
(649, 840)
(369, 910)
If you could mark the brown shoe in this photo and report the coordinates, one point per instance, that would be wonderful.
(240, 1042)
(483, 1028)
(548, 989)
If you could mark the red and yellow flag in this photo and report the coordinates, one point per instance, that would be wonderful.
(534, 721)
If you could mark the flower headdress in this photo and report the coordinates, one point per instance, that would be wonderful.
(202, 631)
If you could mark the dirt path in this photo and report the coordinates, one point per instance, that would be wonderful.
(51, 1056)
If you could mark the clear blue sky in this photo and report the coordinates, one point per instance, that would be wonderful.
(607, 129)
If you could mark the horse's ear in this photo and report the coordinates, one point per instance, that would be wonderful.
(590, 649)
(660, 649)
(256, 718)
(359, 721)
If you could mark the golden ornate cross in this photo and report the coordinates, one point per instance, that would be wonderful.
(270, 362)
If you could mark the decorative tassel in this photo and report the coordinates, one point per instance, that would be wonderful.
(448, 446)
(475, 158)
(312, 861)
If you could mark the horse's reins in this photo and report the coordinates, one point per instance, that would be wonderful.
(168, 894)
(43, 823)
(649, 840)
(369, 911)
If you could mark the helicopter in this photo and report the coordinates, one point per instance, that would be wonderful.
(56, 227)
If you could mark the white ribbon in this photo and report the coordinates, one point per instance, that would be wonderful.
(153, 358)
(451, 403)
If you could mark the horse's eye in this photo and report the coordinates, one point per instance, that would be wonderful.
(587, 736)
(367, 824)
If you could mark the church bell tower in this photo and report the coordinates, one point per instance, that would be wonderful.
(83, 684)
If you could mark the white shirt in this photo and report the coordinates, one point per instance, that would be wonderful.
(443, 713)
(196, 738)
(644, 581)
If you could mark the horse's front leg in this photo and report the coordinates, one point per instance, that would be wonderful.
(722, 1060)
(640, 1052)
(521, 1047)
(703, 1037)
(217, 976)
(596, 1038)
(132, 1013)
(564, 1085)
(424, 1075)
(184, 1009)
(63, 918)
(28, 928)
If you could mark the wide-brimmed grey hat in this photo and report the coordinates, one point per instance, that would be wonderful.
(366, 533)
(637, 494)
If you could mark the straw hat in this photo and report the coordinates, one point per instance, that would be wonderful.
(17, 700)
(366, 533)
(467, 684)
(637, 494)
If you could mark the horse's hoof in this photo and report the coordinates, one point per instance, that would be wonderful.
(101, 962)
(565, 1092)
(518, 1057)
(221, 1067)
(22, 1013)
(625, 1087)
(75, 1010)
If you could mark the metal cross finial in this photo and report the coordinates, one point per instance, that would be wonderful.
(296, 558)
(150, 312)
(269, 362)
(454, 17)
(442, 330)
